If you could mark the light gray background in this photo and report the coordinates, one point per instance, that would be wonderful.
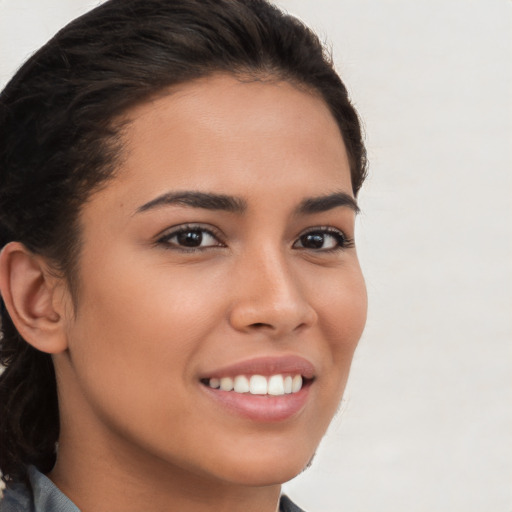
(426, 423)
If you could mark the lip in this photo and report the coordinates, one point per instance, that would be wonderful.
(263, 408)
(266, 366)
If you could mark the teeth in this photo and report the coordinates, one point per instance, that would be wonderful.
(296, 383)
(275, 385)
(226, 383)
(241, 384)
(258, 385)
(288, 384)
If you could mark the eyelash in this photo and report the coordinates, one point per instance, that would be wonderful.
(192, 228)
(342, 241)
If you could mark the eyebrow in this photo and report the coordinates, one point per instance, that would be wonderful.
(328, 202)
(211, 201)
(203, 200)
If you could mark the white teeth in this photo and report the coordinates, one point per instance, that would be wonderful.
(288, 384)
(275, 385)
(214, 383)
(226, 383)
(241, 384)
(258, 385)
(296, 383)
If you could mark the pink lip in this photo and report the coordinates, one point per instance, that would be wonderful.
(292, 365)
(263, 408)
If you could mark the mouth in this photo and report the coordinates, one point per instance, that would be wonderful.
(262, 390)
(273, 385)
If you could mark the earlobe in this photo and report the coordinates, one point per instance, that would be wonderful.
(29, 293)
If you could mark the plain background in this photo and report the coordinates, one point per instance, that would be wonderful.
(426, 422)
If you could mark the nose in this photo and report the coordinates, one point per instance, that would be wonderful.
(269, 298)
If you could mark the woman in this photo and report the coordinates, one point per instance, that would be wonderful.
(181, 292)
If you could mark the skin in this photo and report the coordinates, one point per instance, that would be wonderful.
(151, 317)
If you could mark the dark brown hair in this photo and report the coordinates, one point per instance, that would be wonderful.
(59, 143)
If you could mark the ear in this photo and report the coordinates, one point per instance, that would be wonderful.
(34, 298)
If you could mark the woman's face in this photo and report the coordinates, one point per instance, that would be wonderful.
(221, 254)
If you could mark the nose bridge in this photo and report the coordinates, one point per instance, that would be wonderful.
(272, 279)
(269, 296)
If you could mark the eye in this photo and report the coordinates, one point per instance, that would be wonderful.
(323, 239)
(190, 237)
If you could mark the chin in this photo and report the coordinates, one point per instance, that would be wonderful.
(266, 476)
(271, 469)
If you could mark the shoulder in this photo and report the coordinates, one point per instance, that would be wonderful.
(17, 498)
(40, 495)
(287, 505)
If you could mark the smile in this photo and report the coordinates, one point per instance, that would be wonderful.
(265, 389)
(275, 385)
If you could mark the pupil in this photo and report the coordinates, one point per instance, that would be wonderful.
(190, 238)
(313, 240)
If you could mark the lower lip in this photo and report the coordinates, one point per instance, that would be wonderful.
(261, 408)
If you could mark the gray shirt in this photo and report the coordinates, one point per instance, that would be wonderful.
(44, 496)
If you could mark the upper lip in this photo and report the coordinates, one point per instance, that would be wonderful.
(270, 365)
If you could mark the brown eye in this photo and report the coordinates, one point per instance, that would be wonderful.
(190, 238)
(193, 237)
(321, 240)
(312, 240)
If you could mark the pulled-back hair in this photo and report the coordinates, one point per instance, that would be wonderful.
(59, 142)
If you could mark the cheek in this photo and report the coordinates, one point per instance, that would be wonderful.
(342, 317)
(137, 330)
(343, 301)
(147, 300)
(341, 305)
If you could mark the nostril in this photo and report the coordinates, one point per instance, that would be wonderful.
(260, 324)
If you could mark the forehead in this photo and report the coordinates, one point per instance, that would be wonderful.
(220, 134)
